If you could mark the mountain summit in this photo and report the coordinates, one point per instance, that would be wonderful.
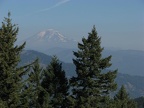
(51, 35)
(48, 39)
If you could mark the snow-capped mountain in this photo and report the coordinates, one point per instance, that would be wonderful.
(51, 35)
(48, 39)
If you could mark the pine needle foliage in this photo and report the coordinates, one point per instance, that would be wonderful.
(91, 85)
(122, 99)
(56, 83)
(10, 74)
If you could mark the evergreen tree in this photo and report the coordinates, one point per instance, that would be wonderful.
(122, 99)
(56, 83)
(140, 102)
(2, 104)
(10, 73)
(91, 86)
(34, 90)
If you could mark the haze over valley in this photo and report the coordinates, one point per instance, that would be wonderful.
(78, 53)
(52, 42)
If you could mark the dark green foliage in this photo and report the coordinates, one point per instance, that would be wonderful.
(122, 99)
(34, 94)
(10, 74)
(56, 83)
(49, 88)
(91, 86)
(140, 102)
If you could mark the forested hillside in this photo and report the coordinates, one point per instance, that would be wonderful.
(47, 85)
(131, 82)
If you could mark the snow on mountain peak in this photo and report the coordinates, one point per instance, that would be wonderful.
(49, 38)
(52, 35)
(42, 34)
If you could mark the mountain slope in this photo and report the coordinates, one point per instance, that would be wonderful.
(28, 56)
(51, 42)
(133, 84)
(46, 39)
(126, 61)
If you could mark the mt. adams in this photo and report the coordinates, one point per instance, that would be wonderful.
(49, 39)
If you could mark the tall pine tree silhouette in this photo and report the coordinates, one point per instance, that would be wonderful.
(91, 86)
(34, 95)
(122, 99)
(10, 73)
(56, 83)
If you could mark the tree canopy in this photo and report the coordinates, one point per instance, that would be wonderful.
(91, 86)
(10, 73)
(49, 87)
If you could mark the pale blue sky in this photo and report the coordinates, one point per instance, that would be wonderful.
(120, 23)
